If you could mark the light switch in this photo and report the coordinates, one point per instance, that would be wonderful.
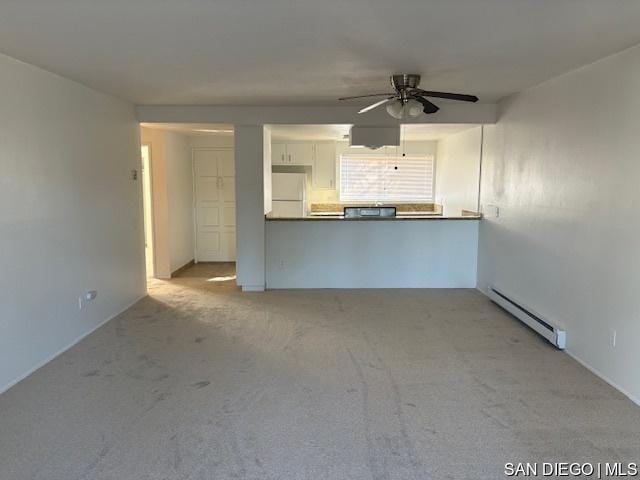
(490, 211)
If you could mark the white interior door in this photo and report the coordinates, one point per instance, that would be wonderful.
(215, 199)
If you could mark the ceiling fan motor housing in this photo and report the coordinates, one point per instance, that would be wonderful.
(404, 81)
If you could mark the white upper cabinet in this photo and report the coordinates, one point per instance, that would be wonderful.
(279, 154)
(292, 153)
(320, 156)
(300, 153)
(324, 168)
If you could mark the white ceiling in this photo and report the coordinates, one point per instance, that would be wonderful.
(276, 52)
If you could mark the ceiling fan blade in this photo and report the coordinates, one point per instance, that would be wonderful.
(365, 96)
(450, 96)
(374, 105)
(428, 106)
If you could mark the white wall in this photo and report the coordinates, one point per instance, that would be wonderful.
(250, 247)
(266, 169)
(157, 141)
(458, 171)
(454, 112)
(180, 199)
(172, 198)
(70, 214)
(563, 165)
(224, 140)
(371, 254)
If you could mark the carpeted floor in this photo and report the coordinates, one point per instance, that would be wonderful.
(201, 381)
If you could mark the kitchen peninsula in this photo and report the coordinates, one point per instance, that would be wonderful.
(405, 251)
(393, 217)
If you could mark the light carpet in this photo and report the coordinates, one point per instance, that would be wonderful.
(201, 381)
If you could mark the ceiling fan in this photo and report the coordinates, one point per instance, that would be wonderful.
(408, 100)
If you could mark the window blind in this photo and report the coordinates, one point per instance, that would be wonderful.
(378, 178)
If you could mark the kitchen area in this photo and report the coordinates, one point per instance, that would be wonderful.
(352, 207)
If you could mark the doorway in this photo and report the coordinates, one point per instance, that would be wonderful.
(147, 207)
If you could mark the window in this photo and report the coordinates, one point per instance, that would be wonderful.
(378, 178)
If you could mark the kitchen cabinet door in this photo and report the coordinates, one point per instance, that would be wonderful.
(300, 153)
(279, 154)
(324, 168)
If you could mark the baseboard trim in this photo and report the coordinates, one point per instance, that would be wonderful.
(593, 370)
(603, 377)
(64, 349)
(178, 270)
(253, 288)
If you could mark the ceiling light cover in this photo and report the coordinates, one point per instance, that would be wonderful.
(396, 109)
(413, 108)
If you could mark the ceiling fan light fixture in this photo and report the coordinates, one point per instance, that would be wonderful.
(396, 109)
(413, 108)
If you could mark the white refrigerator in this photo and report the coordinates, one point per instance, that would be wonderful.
(289, 195)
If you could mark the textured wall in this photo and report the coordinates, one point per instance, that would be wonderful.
(372, 254)
(458, 171)
(249, 155)
(70, 214)
(563, 165)
(180, 191)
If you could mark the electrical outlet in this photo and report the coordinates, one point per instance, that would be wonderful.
(614, 336)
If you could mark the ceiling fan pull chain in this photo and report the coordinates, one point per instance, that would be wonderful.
(404, 140)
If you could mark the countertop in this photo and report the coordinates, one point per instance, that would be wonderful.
(401, 217)
(404, 211)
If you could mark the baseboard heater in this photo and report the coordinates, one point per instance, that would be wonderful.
(555, 335)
